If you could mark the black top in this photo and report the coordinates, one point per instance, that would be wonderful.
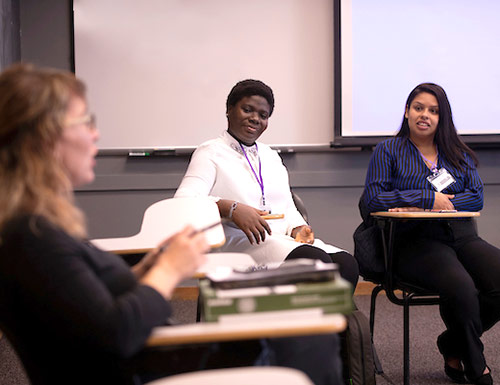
(73, 312)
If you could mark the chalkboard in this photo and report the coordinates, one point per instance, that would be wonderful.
(159, 71)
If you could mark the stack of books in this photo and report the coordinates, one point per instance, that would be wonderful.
(301, 288)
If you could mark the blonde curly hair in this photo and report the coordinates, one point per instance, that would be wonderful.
(33, 105)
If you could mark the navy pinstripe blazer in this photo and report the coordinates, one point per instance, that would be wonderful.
(397, 177)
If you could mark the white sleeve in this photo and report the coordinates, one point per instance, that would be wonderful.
(200, 175)
(292, 216)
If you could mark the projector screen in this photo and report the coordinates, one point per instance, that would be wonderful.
(387, 47)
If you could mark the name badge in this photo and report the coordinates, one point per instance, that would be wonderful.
(265, 208)
(441, 179)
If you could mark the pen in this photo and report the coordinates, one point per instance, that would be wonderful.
(273, 216)
(203, 229)
(443, 211)
(192, 234)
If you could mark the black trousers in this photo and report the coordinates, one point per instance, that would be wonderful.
(450, 258)
(348, 266)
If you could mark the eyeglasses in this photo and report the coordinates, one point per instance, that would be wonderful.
(88, 120)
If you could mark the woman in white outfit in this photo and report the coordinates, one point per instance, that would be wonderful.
(247, 179)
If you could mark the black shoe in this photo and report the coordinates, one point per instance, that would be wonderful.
(456, 375)
(484, 379)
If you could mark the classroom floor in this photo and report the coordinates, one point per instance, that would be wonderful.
(425, 361)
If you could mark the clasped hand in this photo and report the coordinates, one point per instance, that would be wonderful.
(303, 234)
(441, 202)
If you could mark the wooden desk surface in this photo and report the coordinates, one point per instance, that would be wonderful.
(130, 251)
(204, 332)
(425, 214)
(126, 249)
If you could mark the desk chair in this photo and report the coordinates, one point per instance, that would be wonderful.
(411, 294)
(398, 292)
(165, 218)
(242, 376)
(169, 216)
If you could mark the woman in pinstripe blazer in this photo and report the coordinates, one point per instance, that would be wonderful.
(426, 166)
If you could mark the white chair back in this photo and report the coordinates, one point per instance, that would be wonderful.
(165, 218)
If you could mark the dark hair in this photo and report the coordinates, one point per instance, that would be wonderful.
(250, 87)
(446, 138)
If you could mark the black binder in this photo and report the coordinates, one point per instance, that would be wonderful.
(287, 273)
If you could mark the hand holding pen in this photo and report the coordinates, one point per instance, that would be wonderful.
(183, 253)
(175, 259)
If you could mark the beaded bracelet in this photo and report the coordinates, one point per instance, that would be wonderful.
(233, 207)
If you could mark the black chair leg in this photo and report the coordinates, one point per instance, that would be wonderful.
(198, 309)
(406, 342)
(376, 360)
(373, 301)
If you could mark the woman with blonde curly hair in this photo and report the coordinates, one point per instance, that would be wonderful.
(74, 313)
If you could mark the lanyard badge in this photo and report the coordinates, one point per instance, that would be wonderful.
(440, 179)
(258, 178)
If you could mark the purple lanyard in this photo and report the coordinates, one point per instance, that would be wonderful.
(434, 167)
(259, 179)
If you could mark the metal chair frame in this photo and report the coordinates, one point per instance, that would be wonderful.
(411, 295)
